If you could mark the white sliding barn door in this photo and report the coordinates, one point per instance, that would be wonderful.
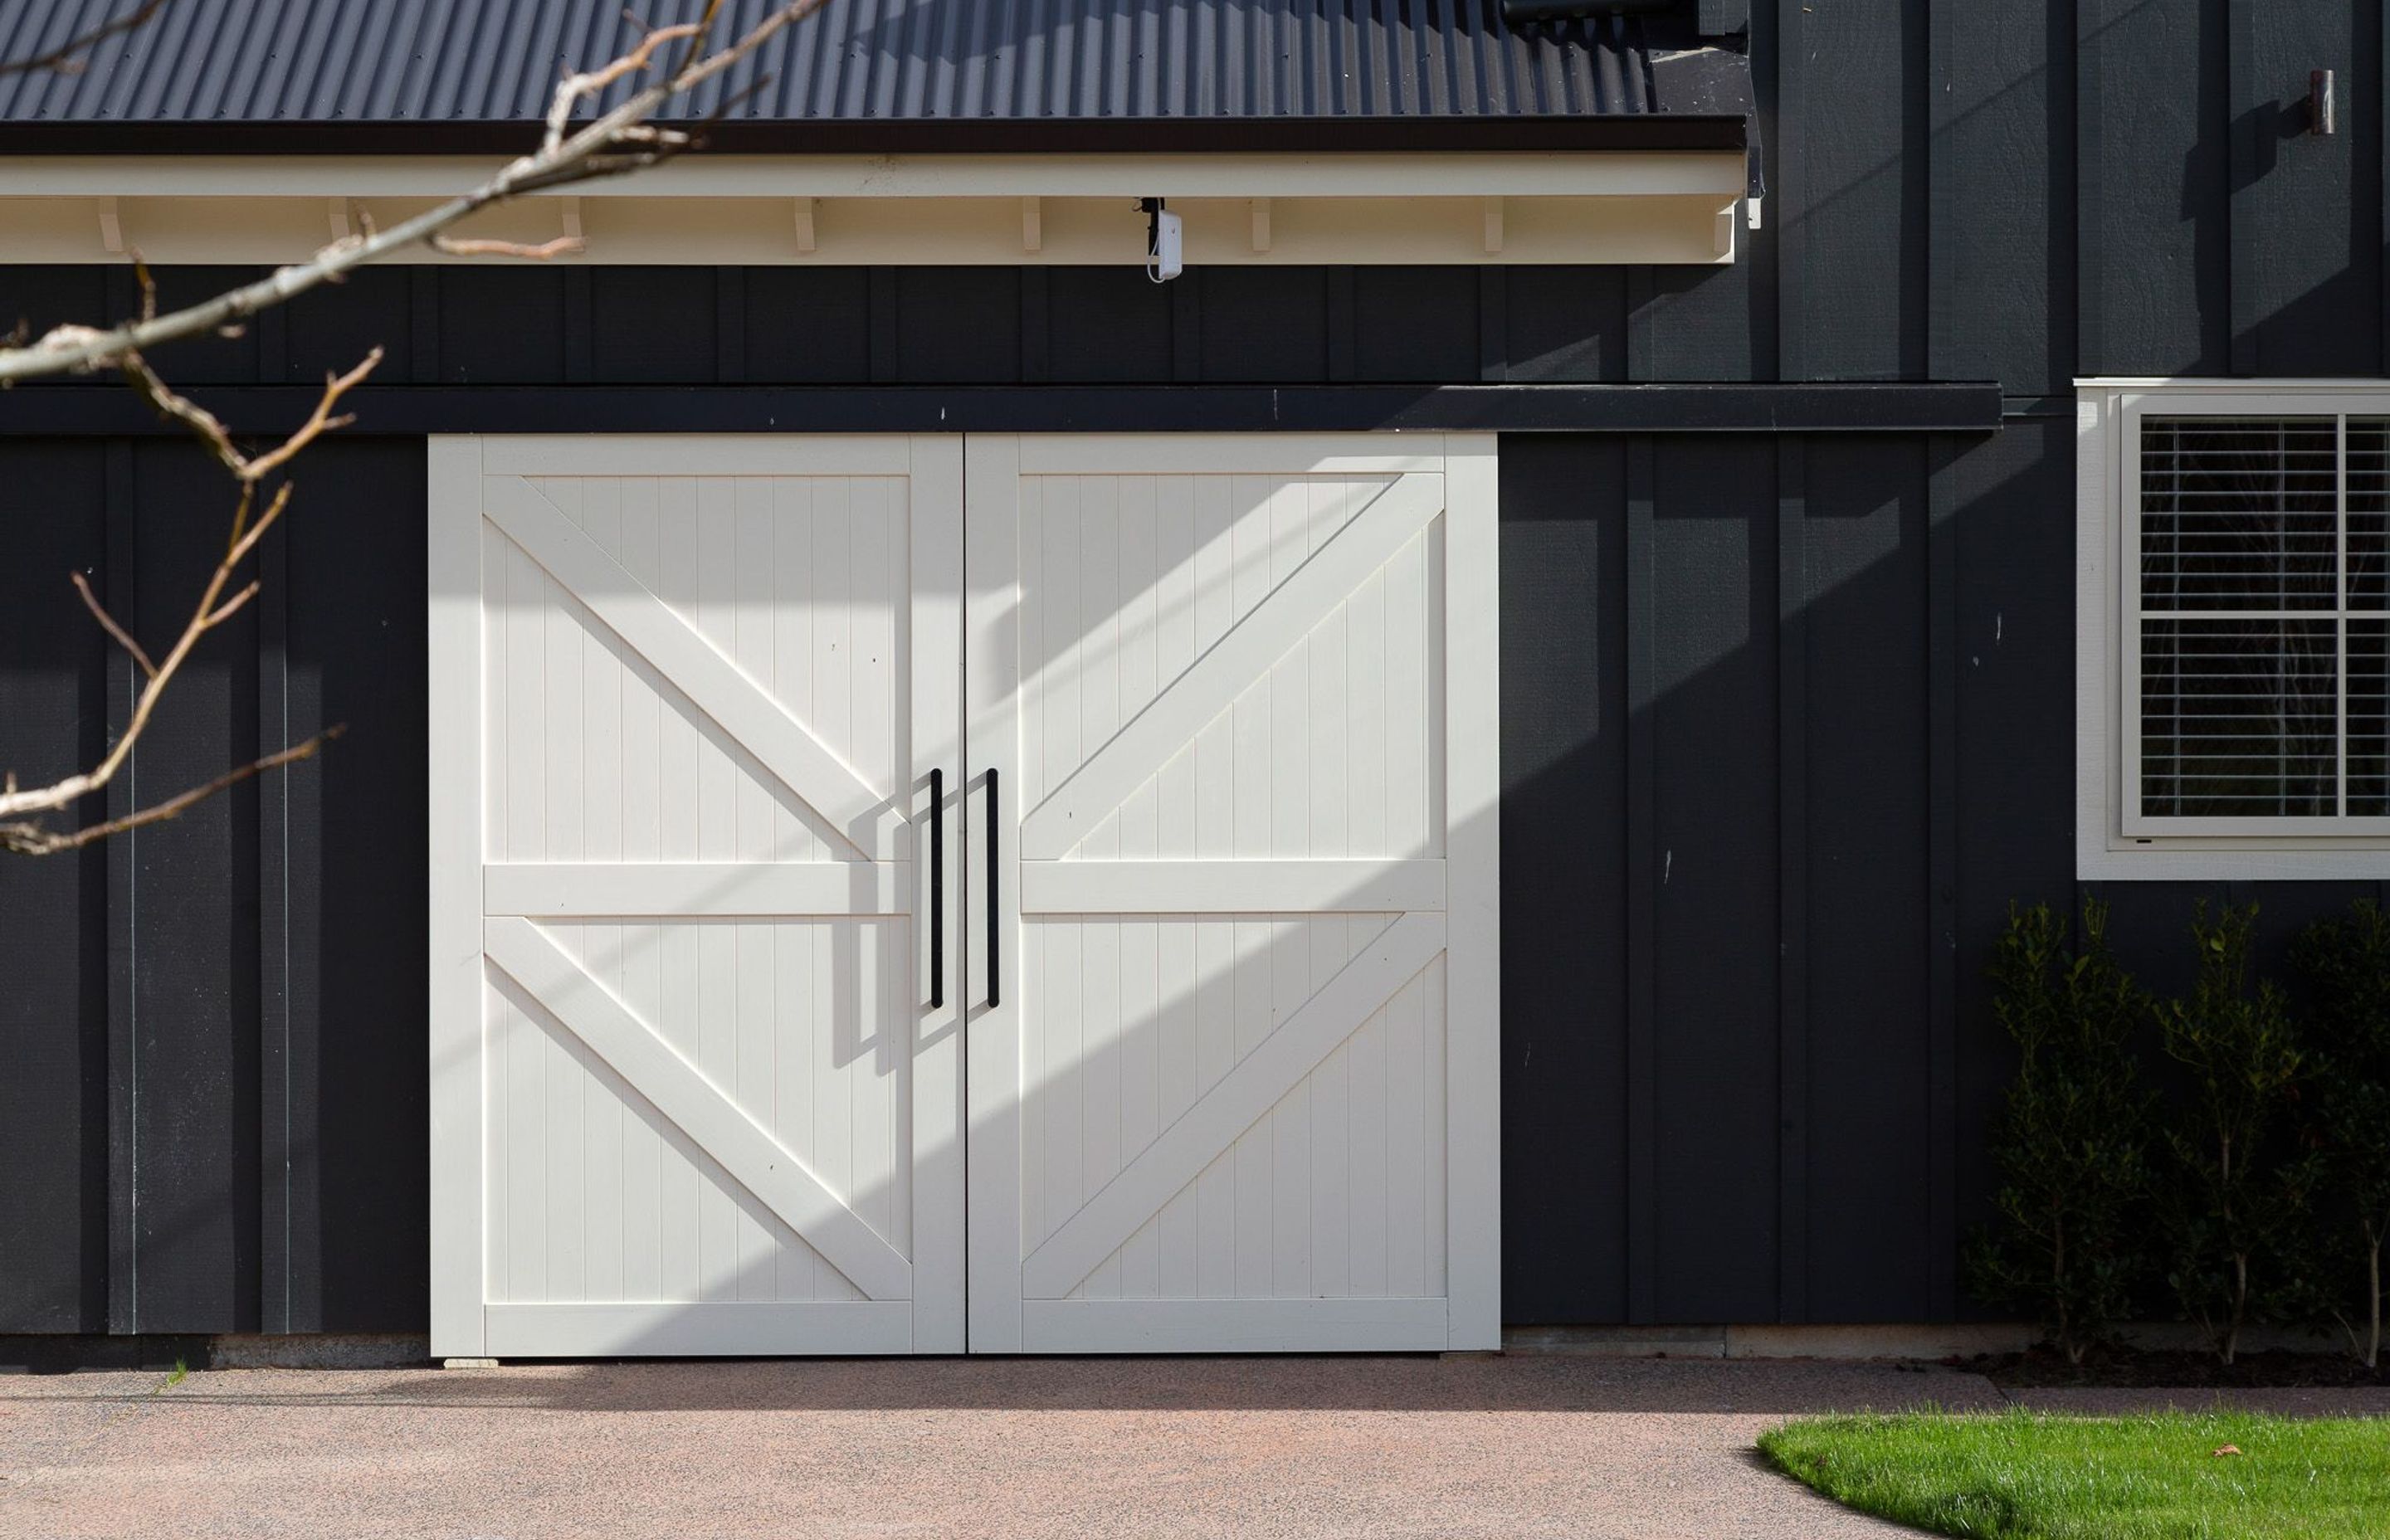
(1234, 702)
(689, 1094)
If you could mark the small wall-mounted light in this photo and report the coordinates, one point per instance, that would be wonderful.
(1166, 244)
(2323, 111)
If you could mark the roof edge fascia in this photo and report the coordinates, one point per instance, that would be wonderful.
(1280, 134)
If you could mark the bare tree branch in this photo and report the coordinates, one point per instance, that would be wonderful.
(319, 421)
(108, 622)
(27, 839)
(211, 430)
(575, 87)
(232, 606)
(66, 57)
(615, 142)
(211, 611)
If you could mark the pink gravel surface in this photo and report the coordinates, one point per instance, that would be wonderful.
(1100, 1448)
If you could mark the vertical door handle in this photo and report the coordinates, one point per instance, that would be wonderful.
(994, 886)
(937, 889)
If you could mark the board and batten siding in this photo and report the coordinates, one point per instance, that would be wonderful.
(1784, 721)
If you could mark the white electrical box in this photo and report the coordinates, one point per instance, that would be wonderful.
(1168, 258)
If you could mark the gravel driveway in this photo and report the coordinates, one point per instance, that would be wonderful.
(1092, 1449)
(1100, 1449)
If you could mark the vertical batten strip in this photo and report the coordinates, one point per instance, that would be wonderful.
(1942, 879)
(1640, 1251)
(455, 787)
(123, 911)
(1473, 973)
(277, 1110)
(1792, 878)
(1791, 194)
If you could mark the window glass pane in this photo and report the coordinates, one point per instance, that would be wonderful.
(2238, 718)
(2369, 719)
(2240, 513)
(2369, 513)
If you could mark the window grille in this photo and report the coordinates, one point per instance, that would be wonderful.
(2257, 623)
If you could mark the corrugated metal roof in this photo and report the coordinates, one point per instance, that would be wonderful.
(954, 61)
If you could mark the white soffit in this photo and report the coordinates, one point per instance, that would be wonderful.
(1553, 207)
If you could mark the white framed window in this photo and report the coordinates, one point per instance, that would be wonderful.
(2234, 629)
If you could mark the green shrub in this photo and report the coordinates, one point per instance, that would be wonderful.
(2238, 1201)
(2072, 1144)
(2346, 964)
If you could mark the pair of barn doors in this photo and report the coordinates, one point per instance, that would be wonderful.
(920, 894)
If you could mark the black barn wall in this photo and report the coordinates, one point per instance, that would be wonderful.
(213, 1114)
(1787, 719)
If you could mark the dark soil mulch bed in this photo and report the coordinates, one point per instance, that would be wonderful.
(2138, 1367)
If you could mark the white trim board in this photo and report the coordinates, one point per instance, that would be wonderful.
(695, 1329)
(1560, 208)
(1676, 230)
(1235, 1326)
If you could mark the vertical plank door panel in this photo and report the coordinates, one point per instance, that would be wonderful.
(688, 1094)
(1230, 1095)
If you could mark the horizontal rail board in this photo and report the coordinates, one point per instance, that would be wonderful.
(408, 409)
(747, 889)
(1234, 1326)
(677, 1328)
(1229, 887)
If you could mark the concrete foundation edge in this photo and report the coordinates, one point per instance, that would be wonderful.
(1888, 1340)
(1924, 1343)
(164, 1351)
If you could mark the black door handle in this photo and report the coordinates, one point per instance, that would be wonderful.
(994, 886)
(937, 889)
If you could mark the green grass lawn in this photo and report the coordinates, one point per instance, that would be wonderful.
(2028, 1476)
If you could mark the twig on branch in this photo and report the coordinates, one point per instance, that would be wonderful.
(318, 423)
(615, 142)
(209, 430)
(108, 622)
(66, 57)
(704, 30)
(458, 246)
(576, 87)
(27, 839)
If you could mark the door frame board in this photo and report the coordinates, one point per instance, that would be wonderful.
(453, 777)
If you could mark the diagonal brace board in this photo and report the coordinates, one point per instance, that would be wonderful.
(1258, 1083)
(717, 1126)
(682, 654)
(1214, 681)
